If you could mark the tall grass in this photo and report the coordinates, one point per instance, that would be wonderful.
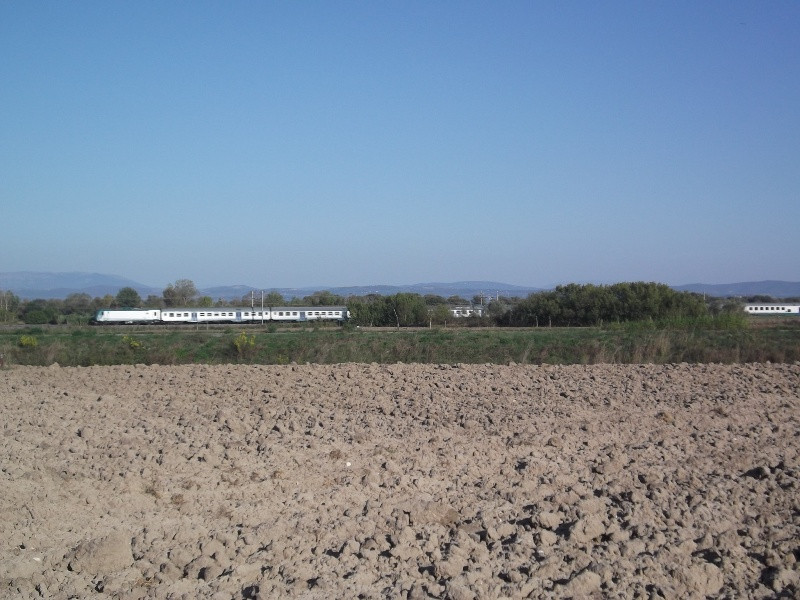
(715, 340)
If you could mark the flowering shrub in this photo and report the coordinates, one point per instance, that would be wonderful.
(132, 343)
(28, 341)
(244, 344)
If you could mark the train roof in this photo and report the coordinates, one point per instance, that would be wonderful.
(249, 308)
(307, 308)
(772, 304)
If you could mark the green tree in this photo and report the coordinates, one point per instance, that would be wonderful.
(582, 305)
(323, 298)
(434, 299)
(274, 298)
(128, 297)
(39, 312)
(496, 310)
(369, 311)
(440, 314)
(153, 301)
(102, 302)
(9, 305)
(77, 303)
(407, 310)
(181, 293)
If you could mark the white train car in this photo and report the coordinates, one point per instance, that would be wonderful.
(128, 316)
(772, 309)
(213, 315)
(224, 315)
(309, 313)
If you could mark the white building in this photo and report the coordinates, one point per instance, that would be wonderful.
(467, 311)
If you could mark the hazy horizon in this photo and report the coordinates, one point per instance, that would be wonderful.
(500, 285)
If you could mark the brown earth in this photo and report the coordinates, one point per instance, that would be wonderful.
(401, 481)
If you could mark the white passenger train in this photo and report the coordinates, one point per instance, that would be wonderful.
(772, 309)
(222, 315)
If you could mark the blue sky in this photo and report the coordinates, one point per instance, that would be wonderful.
(355, 143)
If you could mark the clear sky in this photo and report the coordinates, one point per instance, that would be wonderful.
(353, 143)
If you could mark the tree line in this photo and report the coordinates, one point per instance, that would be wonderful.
(582, 305)
(566, 306)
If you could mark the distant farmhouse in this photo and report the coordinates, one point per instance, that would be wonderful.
(467, 311)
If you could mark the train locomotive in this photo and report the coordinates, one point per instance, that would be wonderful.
(221, 315)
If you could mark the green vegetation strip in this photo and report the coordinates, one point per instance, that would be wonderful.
(631, 343)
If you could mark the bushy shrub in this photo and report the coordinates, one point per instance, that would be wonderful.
(244, 344)
(37, 317)
(28, 341)
(132, 343)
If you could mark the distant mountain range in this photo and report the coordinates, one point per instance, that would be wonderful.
(776, 289)
(28, 284)
(33, 284)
